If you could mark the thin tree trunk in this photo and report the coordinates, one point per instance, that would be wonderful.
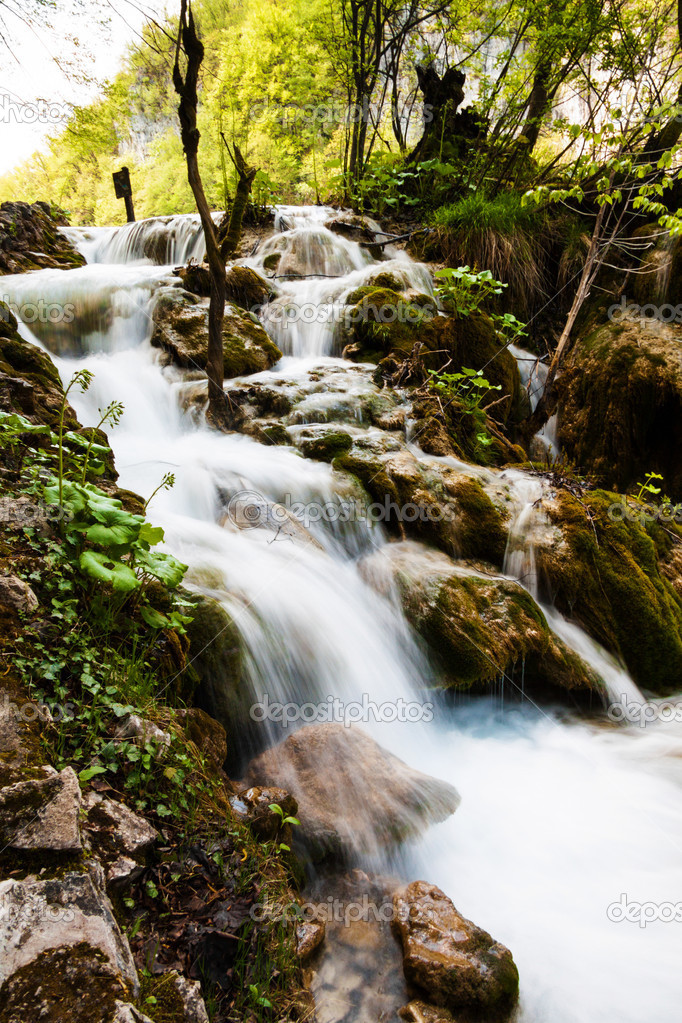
(246, 175)
(186, 89)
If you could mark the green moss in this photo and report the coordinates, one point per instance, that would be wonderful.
(479, 528)
(247, 288)
(481, 629)
(328, 447)
(73, 983)
(608, 576)
(620, 406)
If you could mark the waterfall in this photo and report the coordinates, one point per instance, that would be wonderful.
(158, 240)
(558, 818)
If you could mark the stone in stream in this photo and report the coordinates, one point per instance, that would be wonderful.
(181, 329)
(455, 963)
(353, 796)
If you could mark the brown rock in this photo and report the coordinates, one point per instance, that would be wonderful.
(352, 794)
(455, 963)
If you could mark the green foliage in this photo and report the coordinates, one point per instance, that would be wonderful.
(465, 290)
(469, 387)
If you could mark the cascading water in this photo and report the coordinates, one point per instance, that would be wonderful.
(558, 818)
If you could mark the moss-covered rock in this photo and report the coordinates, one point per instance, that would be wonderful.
(482, 628)
(620, 404)
(479, 529)
(181, 329)
(215, 653)
(381, 324)
(327, 446)
(247, 289)
(30, 239)
(616, 577)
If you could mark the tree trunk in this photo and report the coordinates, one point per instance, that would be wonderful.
(186, 89)
(246, 175)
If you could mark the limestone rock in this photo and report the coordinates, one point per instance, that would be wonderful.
(458, 965)
(309, 936)
(69, 912)
(119, 837)
(620, 404)
(189, 991)
(30, 239)
(181, 329)
(42, 813)
(141, 731)
(421, 1012)
(206, 733)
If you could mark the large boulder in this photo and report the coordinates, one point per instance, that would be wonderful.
(352, 794)
(29, 382)
(620, 404)
(455, 963)
(215, 654)
(181, 330)
(30, 239)
(482, 627)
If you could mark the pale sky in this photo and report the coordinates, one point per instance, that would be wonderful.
(61, 57)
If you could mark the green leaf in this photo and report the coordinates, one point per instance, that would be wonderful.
(110, 536)
(150, 534)
(97, 565)
(154, 618)
(90, 772)
(163, 567)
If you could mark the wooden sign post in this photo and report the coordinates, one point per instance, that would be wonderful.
(124, 190)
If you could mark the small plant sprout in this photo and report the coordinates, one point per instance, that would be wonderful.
(167, 483)
(648, 487)
(283, 821)
(469, 386)
(110, 416)
(81, 379)
(466, 289)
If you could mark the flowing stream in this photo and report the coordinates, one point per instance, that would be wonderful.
(559, 818)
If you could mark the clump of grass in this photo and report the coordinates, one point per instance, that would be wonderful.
(498, 234)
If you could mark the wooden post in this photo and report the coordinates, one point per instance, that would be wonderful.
(124, 190)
